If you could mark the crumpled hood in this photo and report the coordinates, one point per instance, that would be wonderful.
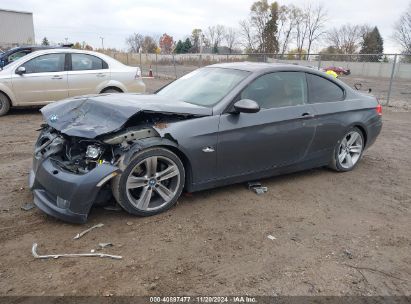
(94, 115)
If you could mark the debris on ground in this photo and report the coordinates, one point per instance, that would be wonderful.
(79, 235)
(112, 208)
(27, 207)
(295, 239)
(129, 223)
(271, 237)
(348, 253)
(257, 187)
(104, 245)
(72, 255)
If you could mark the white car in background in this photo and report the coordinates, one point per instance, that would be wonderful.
(50, 75)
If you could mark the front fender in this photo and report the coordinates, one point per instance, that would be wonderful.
(146, 143)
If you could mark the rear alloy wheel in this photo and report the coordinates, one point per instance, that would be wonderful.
(348, 151)
(151, 183)
(4, 104)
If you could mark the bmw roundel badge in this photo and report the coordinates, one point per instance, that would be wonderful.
(53, 118)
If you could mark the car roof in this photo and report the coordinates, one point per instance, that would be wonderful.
(112, 62)
(260, 66)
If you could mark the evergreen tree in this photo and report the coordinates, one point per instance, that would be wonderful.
(179, 47)
(270, 31)
(186, 46)
(45, 41)
(372, 44)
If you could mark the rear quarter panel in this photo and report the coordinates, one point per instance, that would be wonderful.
(334, 119)
(125, 79)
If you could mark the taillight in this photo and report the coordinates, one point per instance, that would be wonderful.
(379, 109)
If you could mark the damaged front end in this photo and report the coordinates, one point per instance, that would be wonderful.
(71, 172)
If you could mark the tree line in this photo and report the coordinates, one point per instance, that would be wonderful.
(278, 29)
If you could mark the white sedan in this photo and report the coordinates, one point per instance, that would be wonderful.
(50, 75)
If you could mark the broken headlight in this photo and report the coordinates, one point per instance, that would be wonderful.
(93, 152)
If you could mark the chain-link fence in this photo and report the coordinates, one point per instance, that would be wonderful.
(387, 75)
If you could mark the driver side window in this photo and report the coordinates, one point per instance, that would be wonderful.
(45, 63)
(279, 89)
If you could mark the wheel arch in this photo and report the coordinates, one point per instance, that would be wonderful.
(112, 88)
(363, 131)
(8, 95)
(154, 142)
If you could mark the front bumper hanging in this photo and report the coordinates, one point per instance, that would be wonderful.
(64, 195)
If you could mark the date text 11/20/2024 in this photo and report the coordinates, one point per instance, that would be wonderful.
(204, 299)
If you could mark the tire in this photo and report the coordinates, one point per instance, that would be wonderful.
(111, 91)
(347, 154)
(4, 104)
(151, 183)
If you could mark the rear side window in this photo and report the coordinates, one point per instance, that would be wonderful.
(83, 62)
(17, 55)
(323, 90)
(45, 64)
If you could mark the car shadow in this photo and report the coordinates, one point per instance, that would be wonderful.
(98, 213)
(25, 111)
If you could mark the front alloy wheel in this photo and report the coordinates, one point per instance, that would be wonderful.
(151, 183)
(348, 151)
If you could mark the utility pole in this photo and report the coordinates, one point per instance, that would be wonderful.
(102, 42)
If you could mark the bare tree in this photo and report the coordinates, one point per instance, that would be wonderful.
(219, 34)
(231, 38)
(210, 35)
(286, 25)
(346, 39)
(248, 36)
(134, 42)
(316, 18)
(301, 29)
(215, 35)
(149, 45)
(402, 31)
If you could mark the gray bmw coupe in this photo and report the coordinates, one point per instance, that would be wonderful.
(222, 124)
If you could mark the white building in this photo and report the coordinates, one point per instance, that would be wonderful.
(16, 28)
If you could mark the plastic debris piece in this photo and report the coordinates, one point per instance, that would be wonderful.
(104, 245)
(260, 190)
(79, 235)
(27, 207)
(271, 237)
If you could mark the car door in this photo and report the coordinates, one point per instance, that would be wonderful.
(87, 73)
(44, 79)
(278, 135)
(327, 100)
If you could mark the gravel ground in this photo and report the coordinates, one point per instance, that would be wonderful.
(335, 234)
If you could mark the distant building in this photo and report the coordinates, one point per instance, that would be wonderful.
(16, 28)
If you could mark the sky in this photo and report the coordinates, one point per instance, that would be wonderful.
(114, 20)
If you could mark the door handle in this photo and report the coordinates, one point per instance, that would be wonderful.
(101, 75)
(306, 115)
(57, 77)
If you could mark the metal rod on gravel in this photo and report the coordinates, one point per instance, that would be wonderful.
(72, 255)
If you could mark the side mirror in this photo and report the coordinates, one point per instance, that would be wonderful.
(21, 70)
(246, 106)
